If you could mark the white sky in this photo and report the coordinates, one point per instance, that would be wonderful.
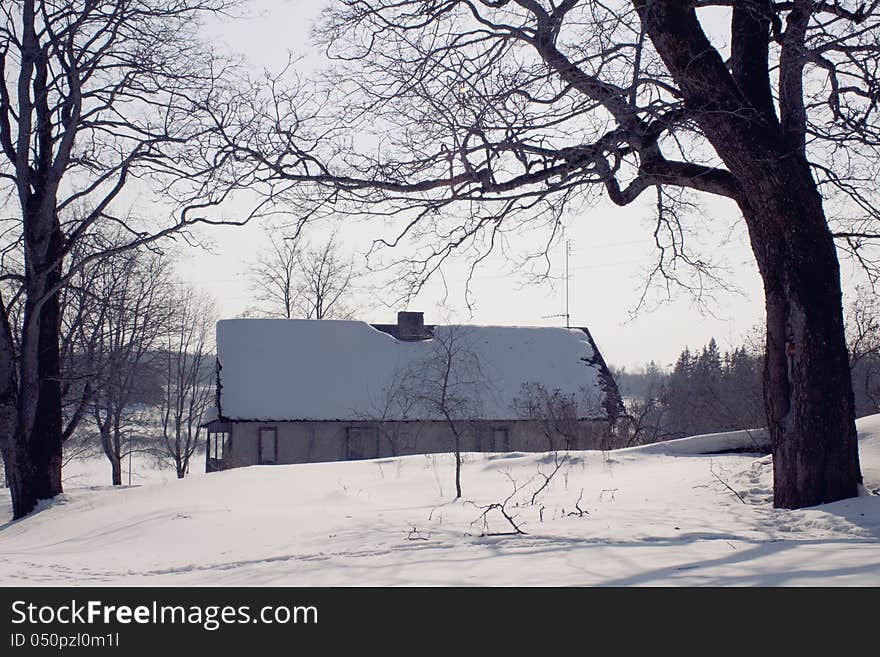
(611, 250)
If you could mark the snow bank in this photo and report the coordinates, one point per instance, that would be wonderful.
(650, 519)
(747, 440)
(344, 370)
(869, 449)
(758, 440)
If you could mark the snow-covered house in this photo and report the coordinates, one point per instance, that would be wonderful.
(296, 391)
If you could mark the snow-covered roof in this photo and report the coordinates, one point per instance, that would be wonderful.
(277, 369)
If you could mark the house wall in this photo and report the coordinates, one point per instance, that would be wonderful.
(309, 442)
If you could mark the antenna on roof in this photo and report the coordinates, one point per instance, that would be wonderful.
(567, 278)
(567, 315)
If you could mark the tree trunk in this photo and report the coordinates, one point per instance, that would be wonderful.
(33, 468)
(23, 485)
(807, 382)
(110, 445)
(36, 449)
(45, 441)
(457, 466)
(116, 457)
(116, 468)
(19, 476)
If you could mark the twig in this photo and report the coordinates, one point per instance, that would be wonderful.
(579, 512)
(548, 478)
(727, 486)
(502, 509)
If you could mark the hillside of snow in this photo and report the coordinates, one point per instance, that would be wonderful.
(664, 514)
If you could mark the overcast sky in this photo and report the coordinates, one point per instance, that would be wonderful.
(611, 249)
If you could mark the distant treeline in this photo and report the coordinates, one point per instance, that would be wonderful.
(708, 391)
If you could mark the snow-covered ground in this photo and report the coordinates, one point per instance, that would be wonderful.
(657, 515)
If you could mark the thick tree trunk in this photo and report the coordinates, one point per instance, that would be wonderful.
(36, 446)
(116, 469)
(45, 441)
(33, 468)
(23, 485)
(808, 387)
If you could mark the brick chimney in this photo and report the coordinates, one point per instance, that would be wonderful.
(410, 326)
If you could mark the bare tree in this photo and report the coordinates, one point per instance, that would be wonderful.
(644, 396)
(390, 411)
(555, 413)
(273, 276)
(863, 333)
(326, 282)
(644, 418)
(449, 385)
(133, 293)
(296, 280)
(503, 508)
(863, 325)
(95, 98)
(188, 388)
(497, 115)
(81, 326)
(76, 303)
(89, 314)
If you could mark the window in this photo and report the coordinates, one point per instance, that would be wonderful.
(268, 445)
(501, 439)
(361, 442)
(219, 444)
